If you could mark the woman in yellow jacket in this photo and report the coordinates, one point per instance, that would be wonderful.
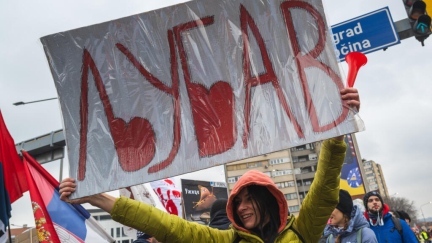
(256, 207)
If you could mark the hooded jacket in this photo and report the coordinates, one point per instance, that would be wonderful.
(388, 233)
(357, 222)
(314, 212)
(219, 220)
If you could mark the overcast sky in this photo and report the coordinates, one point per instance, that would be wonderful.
(394, 86)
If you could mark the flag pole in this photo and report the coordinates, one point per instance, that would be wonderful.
(10, 238)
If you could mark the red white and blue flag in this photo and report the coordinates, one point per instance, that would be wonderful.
(58, 221)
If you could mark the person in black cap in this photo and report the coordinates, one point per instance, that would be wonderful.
(347, 223)
(404, 216)
(218, 215)
(144, 238)
(386, 227)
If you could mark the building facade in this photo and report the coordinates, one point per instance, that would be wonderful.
(292, 171)
(375, 177)
(112, 227)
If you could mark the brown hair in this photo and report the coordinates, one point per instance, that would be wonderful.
(346, 224)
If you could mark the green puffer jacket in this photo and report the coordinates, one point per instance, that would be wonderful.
(314, 213)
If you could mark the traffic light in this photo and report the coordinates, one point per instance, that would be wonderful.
(419, 19)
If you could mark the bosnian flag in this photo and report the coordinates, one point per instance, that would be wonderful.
(58, 221)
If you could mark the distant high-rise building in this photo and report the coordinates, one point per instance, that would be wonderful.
(375, 177)
(292, 171)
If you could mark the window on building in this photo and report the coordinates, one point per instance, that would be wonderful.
(268, 173)
(297, 171)
(123, 233)
(112, 232)
(231, 167)
(118, 232)
(313, 156)
(307, 183)
(294, 208)
(305, 170)
(279, 161)
(105, 217)
(285, 184)
(281, 172)
(96, 217)
(242, 166)
(291, 196)
(233, 179)
(125, 241)
(253, 164)
(295, 159)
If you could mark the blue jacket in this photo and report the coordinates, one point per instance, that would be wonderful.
(384, 233)
(357, 222)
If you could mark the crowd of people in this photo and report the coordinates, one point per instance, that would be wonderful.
(257, 211)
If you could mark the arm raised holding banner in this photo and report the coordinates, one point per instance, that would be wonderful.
(253, 190)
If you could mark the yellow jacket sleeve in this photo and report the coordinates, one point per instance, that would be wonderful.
(323, 195)
(166, 227)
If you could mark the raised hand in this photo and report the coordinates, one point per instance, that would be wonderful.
(67, 187)
(352, 95)
(102, 200)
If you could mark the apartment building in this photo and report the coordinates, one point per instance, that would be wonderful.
(112, 227)
(292, 171)
(375, 177)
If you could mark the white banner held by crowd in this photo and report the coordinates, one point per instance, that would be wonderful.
(192, 86)
(139, 193)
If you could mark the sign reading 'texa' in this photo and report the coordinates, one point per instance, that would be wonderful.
(367, 33)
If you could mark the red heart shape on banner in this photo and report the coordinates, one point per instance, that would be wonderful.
(134, 142)
(213, 114)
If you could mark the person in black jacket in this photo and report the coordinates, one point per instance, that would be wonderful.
(218, 215)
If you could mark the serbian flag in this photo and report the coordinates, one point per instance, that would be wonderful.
(13, 169)
(58, 221)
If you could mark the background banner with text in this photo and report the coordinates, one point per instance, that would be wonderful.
(199, 196)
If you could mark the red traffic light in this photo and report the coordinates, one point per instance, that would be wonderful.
(410, 2)
(417, 9)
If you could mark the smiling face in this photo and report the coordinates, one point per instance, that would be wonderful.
(246, 209)
(374, 205)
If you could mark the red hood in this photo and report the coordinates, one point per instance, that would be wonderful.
(386, 209)
(255, 177)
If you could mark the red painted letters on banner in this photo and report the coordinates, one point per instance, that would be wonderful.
(213, 108)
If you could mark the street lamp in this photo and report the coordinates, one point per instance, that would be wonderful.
(25, 103)
(22, 226)
(422, 210)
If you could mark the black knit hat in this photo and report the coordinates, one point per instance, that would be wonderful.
(345, 204)
(368, 195)
(218, 205)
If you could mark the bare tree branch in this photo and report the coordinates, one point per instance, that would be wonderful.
(402, 204)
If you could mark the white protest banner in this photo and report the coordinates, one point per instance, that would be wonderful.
(195, 85)
(169, 195)
(139, 193)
